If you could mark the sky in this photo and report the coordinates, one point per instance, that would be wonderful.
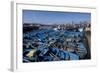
(54, 17)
